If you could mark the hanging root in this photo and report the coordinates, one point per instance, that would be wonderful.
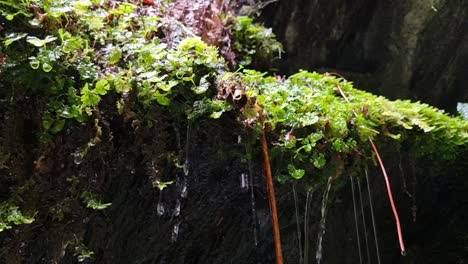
(390, 196)
(387, 182)
(271, 191)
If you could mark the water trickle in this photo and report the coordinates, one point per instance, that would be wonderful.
(244, 182)
(175, 232)
(187, 150)
(177, 208)
(184, 189)
(252, 194)
(321, 233)
(160, 207)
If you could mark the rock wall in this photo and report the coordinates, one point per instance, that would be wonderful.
(413, 49)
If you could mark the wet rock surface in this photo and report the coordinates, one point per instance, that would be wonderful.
(414, 49)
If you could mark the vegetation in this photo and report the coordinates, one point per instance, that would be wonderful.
(83, 64)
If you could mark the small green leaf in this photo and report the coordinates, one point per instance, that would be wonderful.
(12, 37)
(295, 173)
(40, 42)
(162, 185)
(318, 159)
(57, 126)
(203, 86)
(115, 56)
(102, 86)
(88, 97)
(46, 67)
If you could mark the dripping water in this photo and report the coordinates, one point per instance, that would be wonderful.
(372, 217)
(252, 194)
(175, 232)
(356, 223)
(184, 189)
(321, 233)
(160, 207)
(299, 237)
(363, 220)
(177, 208)
(244, 182)
(306, 226)
(187, 149)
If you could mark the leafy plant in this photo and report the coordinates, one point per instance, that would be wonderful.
(10, 215)
(92, 202)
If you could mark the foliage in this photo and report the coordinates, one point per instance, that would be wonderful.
(92, 202)
(10, 215)
(313, 123)
(93, 67)
(252, 40)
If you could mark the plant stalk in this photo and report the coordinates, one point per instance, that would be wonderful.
(271, 191)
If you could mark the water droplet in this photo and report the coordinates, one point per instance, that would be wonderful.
(160, 208)
(184, 190)
(244, 182)
(77, 157)
(177, 208)
(186, 168)
(175, 232)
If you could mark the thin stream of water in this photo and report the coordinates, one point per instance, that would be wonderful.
(321, 233)
(299, 236)
(356, 223)
(363, 220)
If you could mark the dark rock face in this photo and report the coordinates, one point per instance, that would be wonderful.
(412, 49)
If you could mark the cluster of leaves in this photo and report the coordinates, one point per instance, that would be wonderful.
(92, 202)
(254, 41)
(108, 50)
(76, 54)
(316, 117)
(10, 215)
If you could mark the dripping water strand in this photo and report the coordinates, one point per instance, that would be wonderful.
(252, 194)
(321, 233)
(160, 207)
(187, 150)
(371, 205)
(175, 232)
(306, 226)
(299, 237)
(363, 220)
(356, 224)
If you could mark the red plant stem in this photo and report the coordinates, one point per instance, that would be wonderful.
(271, 191)
(390, 196)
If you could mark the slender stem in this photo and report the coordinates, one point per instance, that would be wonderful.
(271, 191)
(390, 196)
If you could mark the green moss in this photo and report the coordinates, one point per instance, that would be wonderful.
(83, 56)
